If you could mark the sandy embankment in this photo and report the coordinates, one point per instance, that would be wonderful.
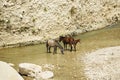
(103, 64)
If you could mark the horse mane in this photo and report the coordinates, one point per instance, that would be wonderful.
(47, 43)
(62, 37)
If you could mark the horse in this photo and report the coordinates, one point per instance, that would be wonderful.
(74, 43)
(66, 40)
(54, 44)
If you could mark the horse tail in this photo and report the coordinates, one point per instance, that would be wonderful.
(46, 43)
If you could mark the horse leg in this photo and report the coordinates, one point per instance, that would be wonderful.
(55, 50)
(64, 46)
(71, 47)
(49, 49)
(74, 47)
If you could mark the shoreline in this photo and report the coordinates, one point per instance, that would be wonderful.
(26, 40)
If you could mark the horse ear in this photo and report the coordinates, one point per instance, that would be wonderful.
(60, 36)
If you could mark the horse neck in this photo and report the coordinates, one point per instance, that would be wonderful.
(77, 41)
(61, 38)
(59, 46)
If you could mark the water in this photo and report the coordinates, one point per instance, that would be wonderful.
(70, 65)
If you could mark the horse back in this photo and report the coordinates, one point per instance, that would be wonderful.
(51, 43)
(68, 40)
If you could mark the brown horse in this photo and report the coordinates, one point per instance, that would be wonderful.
(75, 43)
(66, 40)
(54, 44)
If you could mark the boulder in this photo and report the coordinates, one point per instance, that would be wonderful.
(34, 71)
(46, 75)
(48, 66)
(29, 69)
(8, 73)
(11, 64)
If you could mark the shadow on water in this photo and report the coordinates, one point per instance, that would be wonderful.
(70, 65)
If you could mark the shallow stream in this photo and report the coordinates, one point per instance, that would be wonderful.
(70, 65)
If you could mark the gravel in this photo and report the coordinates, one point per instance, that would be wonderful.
(103, 64)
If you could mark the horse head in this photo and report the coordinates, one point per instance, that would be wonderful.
(62, 51)
(78, 40)
(61, 38)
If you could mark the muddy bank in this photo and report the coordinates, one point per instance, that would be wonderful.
(103, 64)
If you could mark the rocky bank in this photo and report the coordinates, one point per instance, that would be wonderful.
(103, 64)
(8, 73)
(26, 22)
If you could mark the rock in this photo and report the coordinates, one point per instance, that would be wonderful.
(29, 69)
(46, 75)
(48, 66)
(101, 65)
(35, 71)
(11, 64)
(8, 73)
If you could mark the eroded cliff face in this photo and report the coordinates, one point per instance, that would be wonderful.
(24, 22)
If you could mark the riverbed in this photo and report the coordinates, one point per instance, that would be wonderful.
(69, 66)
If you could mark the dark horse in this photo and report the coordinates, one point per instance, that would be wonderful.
(54, 44)
(66, 40)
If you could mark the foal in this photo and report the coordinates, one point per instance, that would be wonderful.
(54, 44)
(75, 43)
